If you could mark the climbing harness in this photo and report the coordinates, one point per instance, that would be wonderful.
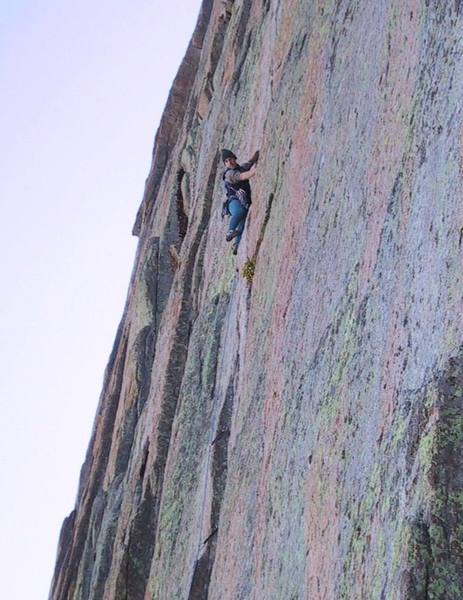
(240, 190)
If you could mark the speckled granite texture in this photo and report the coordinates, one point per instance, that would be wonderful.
(296, 433)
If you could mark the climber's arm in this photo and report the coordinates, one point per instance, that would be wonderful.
(233, 177)
(247, 174)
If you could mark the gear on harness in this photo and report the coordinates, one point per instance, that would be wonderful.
(241, 189)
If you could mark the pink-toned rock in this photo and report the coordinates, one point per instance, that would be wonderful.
(298, 433)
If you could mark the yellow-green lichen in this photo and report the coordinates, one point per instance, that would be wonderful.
(248, 270)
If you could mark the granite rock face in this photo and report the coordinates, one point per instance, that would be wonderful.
(296, 433)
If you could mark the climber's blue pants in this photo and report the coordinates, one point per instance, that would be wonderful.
(238, 217)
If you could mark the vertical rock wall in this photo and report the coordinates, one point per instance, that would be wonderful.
(298, 433)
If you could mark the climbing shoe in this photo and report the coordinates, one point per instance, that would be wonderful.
(235, 248)
(231, 234)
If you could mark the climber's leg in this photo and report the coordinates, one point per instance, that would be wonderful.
(237, 219)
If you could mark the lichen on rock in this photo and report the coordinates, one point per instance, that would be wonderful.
(300, 437)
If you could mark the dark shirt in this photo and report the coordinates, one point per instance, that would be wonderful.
(231, 176)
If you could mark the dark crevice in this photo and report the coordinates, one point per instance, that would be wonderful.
(332, 60)
(219, 465)
(215, 54)
(197, 279)
(209, 537)
(145, 345)
(417, 580)
(220, 454)
(218, 45)
(242, 25)
(144, 461)
(125, 437)
(237, 73)
(435, 549)
(139, 550)
(241, 44)
(182, 217)
(151, 276)
(268, 211)
(220, 435)
(202, 573)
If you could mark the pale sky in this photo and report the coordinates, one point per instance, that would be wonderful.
(82, 88)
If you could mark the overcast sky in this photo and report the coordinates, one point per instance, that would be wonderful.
(82, 88)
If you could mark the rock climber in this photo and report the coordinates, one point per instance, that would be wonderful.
(238, 190)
